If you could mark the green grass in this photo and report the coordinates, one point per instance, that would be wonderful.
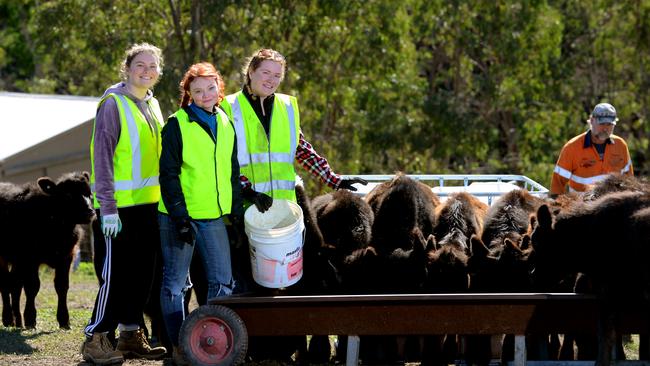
(49, 345)
(47, 342)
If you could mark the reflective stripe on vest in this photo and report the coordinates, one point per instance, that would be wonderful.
(587, 180)
(135, 170)
(268, 168)
(206, 168)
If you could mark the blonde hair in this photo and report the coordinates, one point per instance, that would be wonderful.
(135, 50)
(253, 62)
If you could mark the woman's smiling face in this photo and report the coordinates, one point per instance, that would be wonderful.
(204, 92)
(266, 78)
(144, 71)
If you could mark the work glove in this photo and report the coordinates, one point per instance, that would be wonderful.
(184, 230)
(348, 182)
(111, 225)
(261, 200)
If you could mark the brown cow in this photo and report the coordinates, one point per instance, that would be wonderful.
(616, 183)
(459, 217)
(500, 260)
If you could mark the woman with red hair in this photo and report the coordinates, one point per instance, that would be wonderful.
(199, 183)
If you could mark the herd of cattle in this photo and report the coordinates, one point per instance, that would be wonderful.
(400, 238)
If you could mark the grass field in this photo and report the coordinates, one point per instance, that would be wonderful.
(47, 345)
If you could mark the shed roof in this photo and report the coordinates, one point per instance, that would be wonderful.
(28, 119)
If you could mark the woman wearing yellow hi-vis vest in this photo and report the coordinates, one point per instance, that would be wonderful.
(269, 141)
(199, 181)
(124, 152)
(269, 138)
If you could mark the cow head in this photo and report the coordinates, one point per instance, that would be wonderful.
(547, 253)
(504, 267)
(345, 221)
(447, 269)
(71, 196)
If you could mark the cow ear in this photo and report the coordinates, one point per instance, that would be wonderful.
(431, 243)
(525, 242)
(46, 184)
(419, 242)
(478, 248)
(420, 245)
(533, 222)
(544, 217)
(511, 245)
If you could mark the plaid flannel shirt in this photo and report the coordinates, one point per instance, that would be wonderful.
(311, 162)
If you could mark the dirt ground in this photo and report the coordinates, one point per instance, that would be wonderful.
(77, 361)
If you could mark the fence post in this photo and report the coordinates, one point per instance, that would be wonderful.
(520, 350)
(352, 356)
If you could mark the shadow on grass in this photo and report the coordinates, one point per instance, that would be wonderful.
(13, 341)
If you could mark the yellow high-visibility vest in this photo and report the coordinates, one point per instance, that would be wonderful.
(267, 164)
(206, 169)
(135, 162)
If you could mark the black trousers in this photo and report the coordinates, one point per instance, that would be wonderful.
(125, 266)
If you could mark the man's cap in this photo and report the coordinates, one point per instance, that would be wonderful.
(604, 113)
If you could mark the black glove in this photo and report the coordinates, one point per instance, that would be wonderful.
(348, 182)
(184, 230)
(261, 200)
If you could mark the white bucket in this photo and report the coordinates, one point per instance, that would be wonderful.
(276, 238)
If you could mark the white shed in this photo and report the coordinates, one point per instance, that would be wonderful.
(44, 135)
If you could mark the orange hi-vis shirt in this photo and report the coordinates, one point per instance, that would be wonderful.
(580, 165)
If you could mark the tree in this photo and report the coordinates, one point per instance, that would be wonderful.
(421, 86)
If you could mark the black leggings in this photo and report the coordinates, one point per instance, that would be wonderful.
(124, 267)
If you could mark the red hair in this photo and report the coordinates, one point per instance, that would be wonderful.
(202, 69)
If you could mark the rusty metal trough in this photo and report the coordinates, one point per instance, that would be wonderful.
(419, 314)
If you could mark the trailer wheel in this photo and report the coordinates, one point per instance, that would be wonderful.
(214, 335)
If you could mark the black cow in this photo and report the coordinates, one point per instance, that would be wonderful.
(344, 219)
(608, 240)
(38, 222)
(402, 235)
(586, 344)
(401, 206)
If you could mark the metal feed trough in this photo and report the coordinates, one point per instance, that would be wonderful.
(217, 333)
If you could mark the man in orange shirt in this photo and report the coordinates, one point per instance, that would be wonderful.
(590, 156)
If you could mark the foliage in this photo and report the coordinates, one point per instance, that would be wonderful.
(422, 86)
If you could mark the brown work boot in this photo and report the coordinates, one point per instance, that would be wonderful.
(134, 344)
(99, 350)
(178, 356)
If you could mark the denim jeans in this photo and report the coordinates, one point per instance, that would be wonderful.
(214, 249)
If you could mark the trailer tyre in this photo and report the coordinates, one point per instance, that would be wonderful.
(214, 335)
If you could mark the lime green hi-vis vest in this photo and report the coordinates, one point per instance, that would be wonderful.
(206, 169)
(135, 162)
(267, 164)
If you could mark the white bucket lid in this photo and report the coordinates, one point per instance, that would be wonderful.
(278, 215)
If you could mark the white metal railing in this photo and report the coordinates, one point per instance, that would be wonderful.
(484, 186)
